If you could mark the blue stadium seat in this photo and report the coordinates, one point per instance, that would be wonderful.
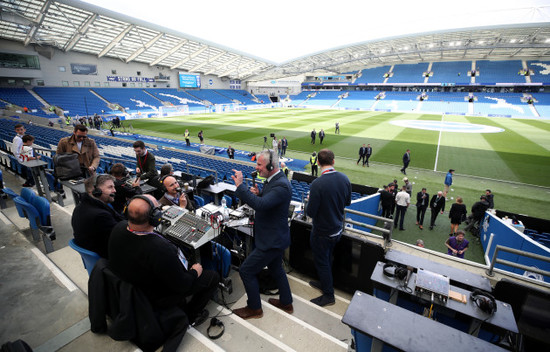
(28, 195)
(29, 212)
(199, 200)
(89, 258)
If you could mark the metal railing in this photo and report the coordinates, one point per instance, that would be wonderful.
(532, 269)
(386, 231)
(202, 168)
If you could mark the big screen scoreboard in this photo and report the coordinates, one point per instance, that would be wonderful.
(189, 80)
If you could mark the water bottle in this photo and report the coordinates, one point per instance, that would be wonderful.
(225, 211)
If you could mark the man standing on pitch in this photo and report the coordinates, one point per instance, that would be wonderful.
(362, 154)
(328, 196)
(369, 153)
(448, 181)
(422, 200)
(402, 200)
(313, 135)
(284, 145)
(437, 204)
(271, 234)
(406, 161)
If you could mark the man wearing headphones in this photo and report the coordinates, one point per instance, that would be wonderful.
(93, 218)
(328, 196)
(173, 195)
(124, 191)
(271, 234)
(159, 268)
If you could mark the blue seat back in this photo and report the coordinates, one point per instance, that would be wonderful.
(11, 193)
(28, 211)
(12, 196)
(199, 200)
(43, 207)
(221, 260)
(28, 194)
(89, 258)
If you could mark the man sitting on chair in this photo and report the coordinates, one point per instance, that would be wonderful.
(155, 265)
(93, 218)
(173, 194)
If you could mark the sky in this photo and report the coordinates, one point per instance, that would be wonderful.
(282, 30)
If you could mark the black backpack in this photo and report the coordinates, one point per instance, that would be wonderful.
(67, 166)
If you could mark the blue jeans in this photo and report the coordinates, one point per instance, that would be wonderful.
(400, 213)
(253, 264)
(322, 248)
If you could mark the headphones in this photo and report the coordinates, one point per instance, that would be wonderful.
(96, 192)
(215, 322)
(391, 270)
(162, 181)
(484, 301)
(270, 167)
(155, 214)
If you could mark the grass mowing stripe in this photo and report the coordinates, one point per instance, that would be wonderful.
(520, 154)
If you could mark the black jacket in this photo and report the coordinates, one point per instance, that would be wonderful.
(437, 205)
(123, 193)
(92, 223)
(133, 317)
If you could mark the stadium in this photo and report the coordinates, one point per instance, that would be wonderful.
(471, 95)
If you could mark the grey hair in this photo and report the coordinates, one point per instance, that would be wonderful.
(267, 153)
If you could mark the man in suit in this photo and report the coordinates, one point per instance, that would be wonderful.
(437, 204)
(231, 153)
(369, 153)
(406, 161)
(422, 200)
(271, 234)
(313, 134)
(328, 196)
(362, 154)
(387, 200)
(321, 136)
(284, 145)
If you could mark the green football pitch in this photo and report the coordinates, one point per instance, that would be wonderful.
(514, 163)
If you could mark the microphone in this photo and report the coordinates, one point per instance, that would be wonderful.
(178, 189)
(254, 174)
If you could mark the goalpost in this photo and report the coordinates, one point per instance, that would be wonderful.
(173, 110)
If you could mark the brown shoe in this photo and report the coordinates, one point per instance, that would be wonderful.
(248, 313)
(287, 308)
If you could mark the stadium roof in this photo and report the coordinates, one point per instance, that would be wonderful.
(82, 27)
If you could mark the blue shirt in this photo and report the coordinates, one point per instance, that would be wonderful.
(328, 196)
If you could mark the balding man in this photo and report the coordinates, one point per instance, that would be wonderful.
(437, 204)
(173, 195)
(155, 265)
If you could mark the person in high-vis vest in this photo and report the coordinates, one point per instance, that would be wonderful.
(285, 169)
(186, 135)
(313, 162)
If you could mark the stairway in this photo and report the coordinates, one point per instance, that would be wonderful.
(309, 328)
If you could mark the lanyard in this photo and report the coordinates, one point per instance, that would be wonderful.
(328, 170)
(144, 160)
